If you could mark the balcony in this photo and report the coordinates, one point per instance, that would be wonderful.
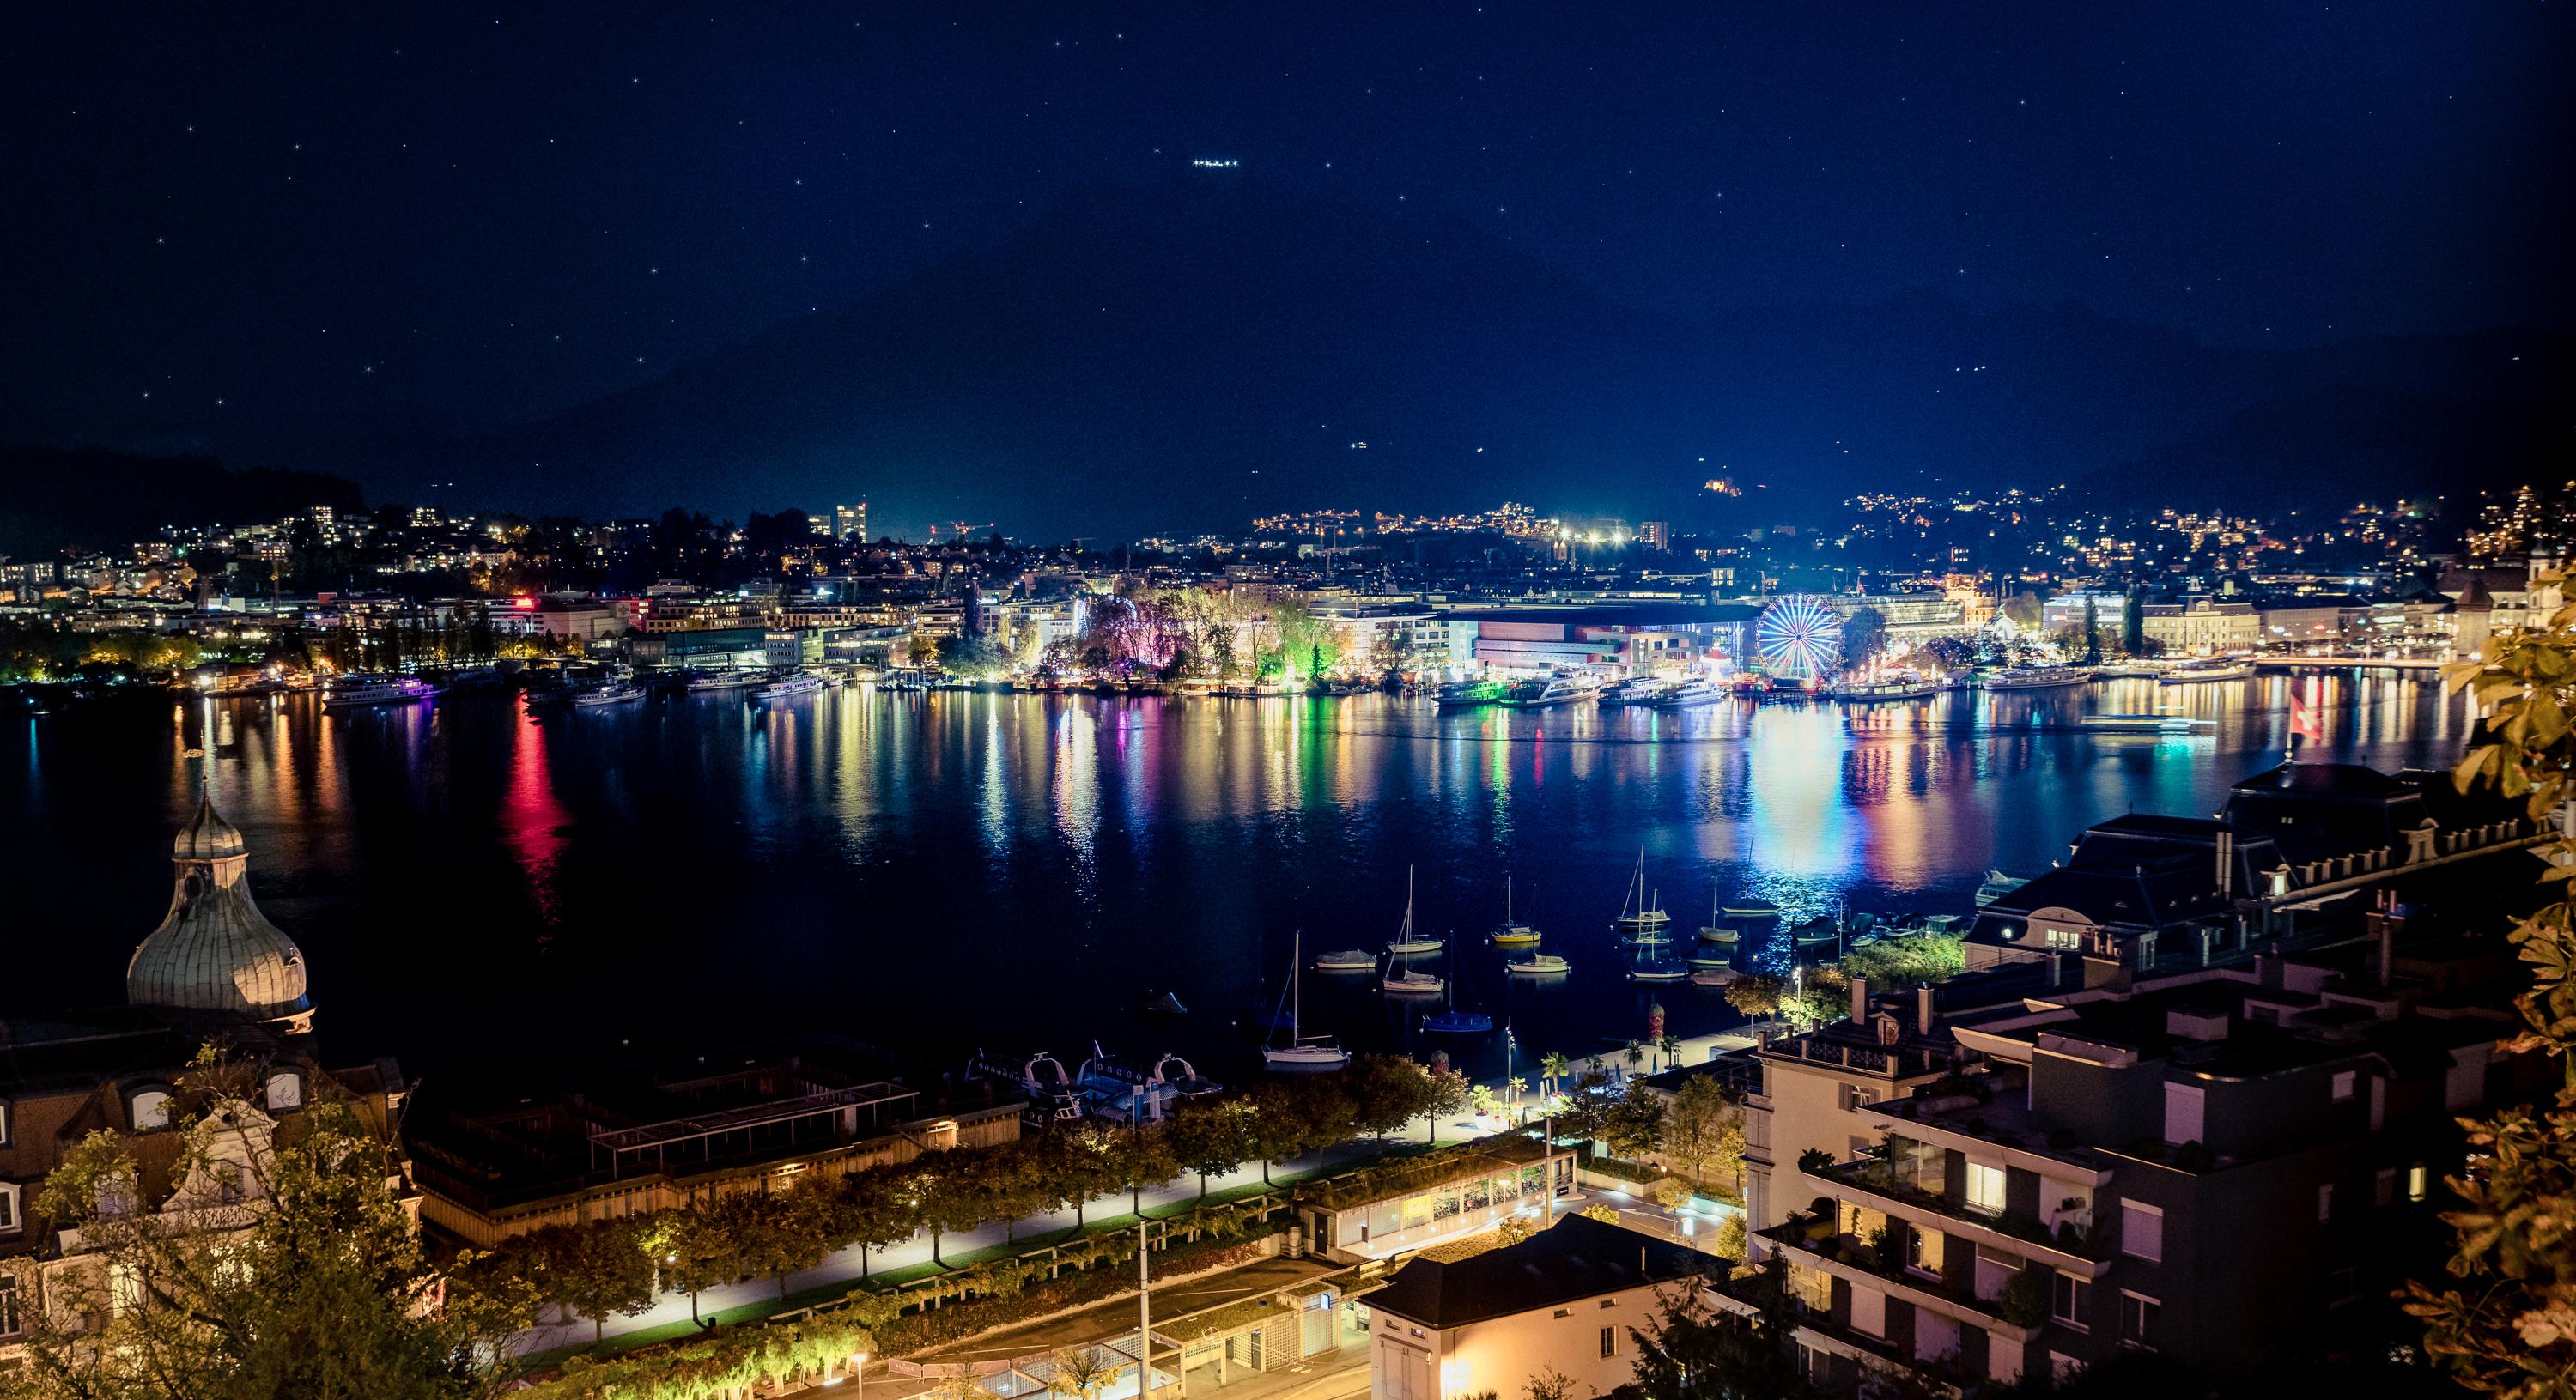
(2078, 1246)
(1854, 1261)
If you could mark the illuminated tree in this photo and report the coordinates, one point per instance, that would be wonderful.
(2510, 1328)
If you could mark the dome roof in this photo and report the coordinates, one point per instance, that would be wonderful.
(214, 952)
(207, 836)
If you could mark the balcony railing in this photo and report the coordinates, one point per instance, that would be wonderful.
(2086, 1239)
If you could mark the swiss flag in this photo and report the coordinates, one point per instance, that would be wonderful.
(2303, 723)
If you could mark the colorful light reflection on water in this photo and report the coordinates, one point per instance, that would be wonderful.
(950, 870)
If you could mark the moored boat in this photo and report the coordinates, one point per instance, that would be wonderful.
(362, 692)
(1512, 933)
(2036, 677)
(1348, 960)
(613, 693)
(1695, 691)
(1538, 965)
(2205, 672)
(1891, 688)
(1302, 1051)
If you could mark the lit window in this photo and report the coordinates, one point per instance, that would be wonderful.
(8, 1211)
(285, 1090)
(1985, 1188)
(11, 1324)
(151, 1110)
(2343, 1085)
(2415, 1182)
(4, 1122)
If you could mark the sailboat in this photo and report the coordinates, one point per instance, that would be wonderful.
(1641, 920)
(1302, 1051)
(1538, 965)
(1407, 941)
(1513, 934)
(1401, 980)
(1717, 929)
(1453, 1021)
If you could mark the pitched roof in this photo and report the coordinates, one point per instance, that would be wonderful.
(1580, 1258)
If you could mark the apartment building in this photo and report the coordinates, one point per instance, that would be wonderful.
(2230, 1165)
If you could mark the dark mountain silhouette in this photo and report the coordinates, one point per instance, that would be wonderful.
(1189, 355)
(98, 498)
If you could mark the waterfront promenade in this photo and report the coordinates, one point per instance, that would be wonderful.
(669, 1315)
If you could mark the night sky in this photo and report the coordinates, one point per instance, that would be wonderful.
(225, 221)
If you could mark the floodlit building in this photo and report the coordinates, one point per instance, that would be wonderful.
(1565, 1298)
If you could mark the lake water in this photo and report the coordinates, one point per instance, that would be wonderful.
(478, 891)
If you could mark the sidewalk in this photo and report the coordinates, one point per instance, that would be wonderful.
(669, 1316)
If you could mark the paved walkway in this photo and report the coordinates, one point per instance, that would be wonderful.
(1178, 1196)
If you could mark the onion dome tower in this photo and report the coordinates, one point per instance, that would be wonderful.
(215, 956)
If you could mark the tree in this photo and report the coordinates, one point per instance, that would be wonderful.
(1864, 637)
(1690, 1350)
(776, 1232)
(1212, 1139)
(1893, 964)
(1443, 1093)
(1757, 996)
(1549, 1383)
(1634, 1125)
(1671, 1045)
(1704, 1130)
(1083, 1372)
(1386, 1092)
(283, 1263)
(1142, 1157)
(2511, 1331)
(693, 1255)
(1551, 1070)
(2092, 633)
(2133, 622)
(1587, 1108)
(598, 1269)
(1825, 999)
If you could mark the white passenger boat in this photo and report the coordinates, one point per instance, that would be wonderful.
(362, 692)
(2204, 672)
(1697, 690)
(2037, 677)
(613, 693)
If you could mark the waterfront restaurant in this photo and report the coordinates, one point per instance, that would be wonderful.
(1413, 1205)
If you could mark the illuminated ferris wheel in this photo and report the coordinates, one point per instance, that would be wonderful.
(1798, 636)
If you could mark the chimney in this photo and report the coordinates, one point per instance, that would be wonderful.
(1860, 999)
(1923, 1012)
(2226, 865)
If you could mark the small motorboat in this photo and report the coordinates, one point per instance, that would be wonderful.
(1712, 976)
(1538, 965)
(1348, 960)
(1701, 962)
(1658, 972)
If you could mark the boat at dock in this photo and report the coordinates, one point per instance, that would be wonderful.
(1636, 690)
(716, 682)
(1996, 885)
(1695, 691)
(1348, 960)
(366, 692)
(795, 683)
(1467, 695)
(1653, 971)
(2205, 672)
(1712, 976)
(2148, 724)
(1890, 688)
(1545, 694)
(1050, 1095)
(1302, 1051)
(598, 696)
(2037, 677)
